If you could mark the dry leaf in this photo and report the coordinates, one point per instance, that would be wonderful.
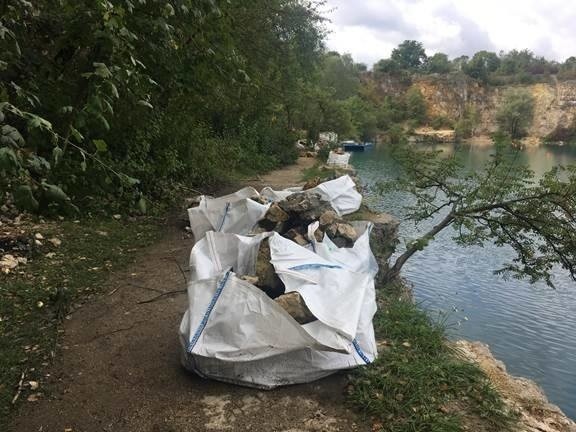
(55, 241)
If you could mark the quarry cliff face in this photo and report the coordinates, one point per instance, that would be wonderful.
(554, 103)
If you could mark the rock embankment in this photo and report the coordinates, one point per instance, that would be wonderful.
(450, 95)
(537, 414)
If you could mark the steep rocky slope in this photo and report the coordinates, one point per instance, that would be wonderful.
(448, 95)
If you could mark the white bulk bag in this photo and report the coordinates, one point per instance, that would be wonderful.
(338, 160)
(358, 258)
(232, 331)
(235, 213)
(274, 195)
(341, 193)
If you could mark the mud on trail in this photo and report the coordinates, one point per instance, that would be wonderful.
(119, 368)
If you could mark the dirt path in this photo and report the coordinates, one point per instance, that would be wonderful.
(119, 369)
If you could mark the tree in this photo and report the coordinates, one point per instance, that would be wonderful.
(459, 63)
(515, 112)
(409, 55)
(364, 117)
(481, 65)
(503, 203)
(415, 105)
(438, 63)
(387, 66)
(340, 74)
(134, 97)
(467, 123)
(567, 69)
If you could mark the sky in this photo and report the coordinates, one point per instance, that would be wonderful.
(370, 29)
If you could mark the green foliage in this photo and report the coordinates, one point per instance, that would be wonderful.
(467, 123)
(438, 63)
(418, 382)
(340, 74)
(505, 68)
(515, 112)
(503, 203)
(481, 65)
(567, 70)
(441, 122)
(387, 66)
(363, 118)
(525, 64)
(409, 55)
(127, 89)
(415, 105)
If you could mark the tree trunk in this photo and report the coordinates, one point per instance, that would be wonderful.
(394, 271)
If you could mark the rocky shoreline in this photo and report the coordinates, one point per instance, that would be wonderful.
(536, 413)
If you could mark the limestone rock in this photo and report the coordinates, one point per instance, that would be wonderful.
(520, 394)
(294, 304)
(327, 218)
(347, 232)
(268, 281)
(296, 236)
(250, 279)
(319, 235)
(341, 233)
(306, 206)
(276, 214)
(312, 183)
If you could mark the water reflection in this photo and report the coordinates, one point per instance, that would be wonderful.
(532, 328)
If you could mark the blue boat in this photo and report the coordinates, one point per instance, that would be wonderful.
(354, 146)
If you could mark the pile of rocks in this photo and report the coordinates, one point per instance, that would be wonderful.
(291, 218)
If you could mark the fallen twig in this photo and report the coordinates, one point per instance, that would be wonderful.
(135, 286)
(20, 387)
(113, 332)
(158, 297)
(181, 271)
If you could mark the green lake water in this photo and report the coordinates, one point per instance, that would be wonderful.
(532, 328)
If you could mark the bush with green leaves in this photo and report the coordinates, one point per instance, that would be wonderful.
(109, 101)
(441, 122)
(515, 112)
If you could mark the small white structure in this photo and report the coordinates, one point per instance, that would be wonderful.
(328, 137)
(338, 160)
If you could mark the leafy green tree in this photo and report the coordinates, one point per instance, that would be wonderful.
(341, 74)
(481, 65)
(409, 55)
(438, 63)
(459, 63)
(415, 105)
(515, 112)
(132, 98)
(567, 70)
(502, 203)
(364, 118)
(387, 66)
(465, 126)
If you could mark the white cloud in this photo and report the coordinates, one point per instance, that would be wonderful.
(370, 29)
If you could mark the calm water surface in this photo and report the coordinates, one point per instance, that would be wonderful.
(532, 328)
